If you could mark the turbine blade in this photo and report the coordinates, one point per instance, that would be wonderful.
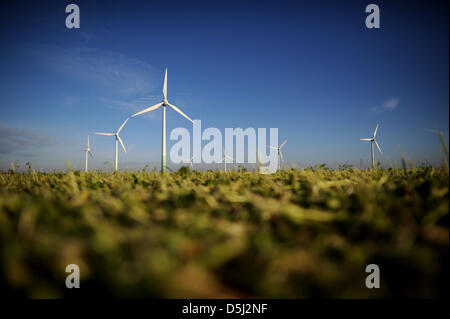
(165, 86)
(91, 154)
(88, 142)
(121, 143)
(151, 108)
(282, 144)
(179, 111)
(365, 139)
(107, 134)
(281, 155)
(121, 127)
(375, 132)
(378, 147)
(274, 148)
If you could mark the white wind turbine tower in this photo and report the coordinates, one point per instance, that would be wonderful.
(87, 150)
(280, 155)
(372, 140)
(118, 139)
(164, 103)
(224, 159)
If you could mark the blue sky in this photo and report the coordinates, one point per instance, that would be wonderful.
(310, 68)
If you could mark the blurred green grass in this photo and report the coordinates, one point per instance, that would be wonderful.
(294, 234)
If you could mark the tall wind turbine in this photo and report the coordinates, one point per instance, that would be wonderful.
(118, 139)
(372, 140)
(87, 151)
(164, 103)
(280, 155)
(224, 159)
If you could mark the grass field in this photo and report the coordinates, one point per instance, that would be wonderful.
(296, 233)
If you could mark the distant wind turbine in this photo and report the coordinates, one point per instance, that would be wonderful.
(164, 103)
(87, 151)
(372, 140)
(191, 165)
(116, 164)
(107, 163)
(280, 155)
(224, 159)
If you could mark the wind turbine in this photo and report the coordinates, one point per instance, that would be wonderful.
(191, 165)
(280, 155)
(164, 103)
(117, 139)
(372, 140)
(88, 150)
(224, 159)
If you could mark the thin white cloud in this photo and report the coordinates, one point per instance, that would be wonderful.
(105, 70)
(131, 106)
(23, 142)
(391, 103)
(388, 105)
(86, 37)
